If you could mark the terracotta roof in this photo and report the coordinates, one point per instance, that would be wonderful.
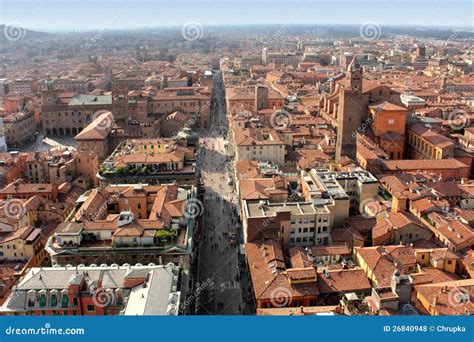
(382, 260)
(453, 230)
(447, 297)
(253, 136)
(267, 271)
(387, 106)
(301, 311)
(431, 275)
(425, 164)
(395, 221)
(252, 189)
(431, 136)
(98, 129)
(21, 233)
(343, 281)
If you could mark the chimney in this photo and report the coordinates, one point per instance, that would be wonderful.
(435, 301)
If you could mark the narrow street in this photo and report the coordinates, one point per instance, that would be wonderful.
(219, 263)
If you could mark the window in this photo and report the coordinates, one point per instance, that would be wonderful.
(90, 307)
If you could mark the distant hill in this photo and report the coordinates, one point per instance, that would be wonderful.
(16, 32)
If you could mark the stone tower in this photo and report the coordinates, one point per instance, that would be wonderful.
(354, 75)
(264, 55)
(120, 99)
(261, 97)
(50, 95)
(350, 112)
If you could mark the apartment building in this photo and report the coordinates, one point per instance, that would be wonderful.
(96, 290)
(348, 190)
(425, 143)
(67, 84)
(295, 223)
(127, 224)
(19, 128)
(279, 58)
(58, 166)
(189, 100)
(153, 161)
(253, 98)
(21, 244)
(293, 284)
(263, 144)
(399, 228)
(21, 190)
(23, 86)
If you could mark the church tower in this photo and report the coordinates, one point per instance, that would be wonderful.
(350, 112)
(354, 75)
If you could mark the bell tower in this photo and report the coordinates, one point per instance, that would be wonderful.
(354, 75)
(350, 112)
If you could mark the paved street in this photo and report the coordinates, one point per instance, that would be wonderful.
(218, 259)
(38, 145)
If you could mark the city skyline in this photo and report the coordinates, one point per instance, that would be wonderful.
(56, 15)
(238, 158)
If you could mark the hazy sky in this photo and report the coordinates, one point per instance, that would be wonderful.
(114, 14)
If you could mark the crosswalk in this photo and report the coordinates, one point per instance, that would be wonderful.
(230, 285)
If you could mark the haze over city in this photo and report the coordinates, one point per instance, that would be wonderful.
(61, 15)
(237, 158)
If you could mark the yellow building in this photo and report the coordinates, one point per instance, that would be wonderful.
(153, 146)
(21, 244)
(440, 258)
